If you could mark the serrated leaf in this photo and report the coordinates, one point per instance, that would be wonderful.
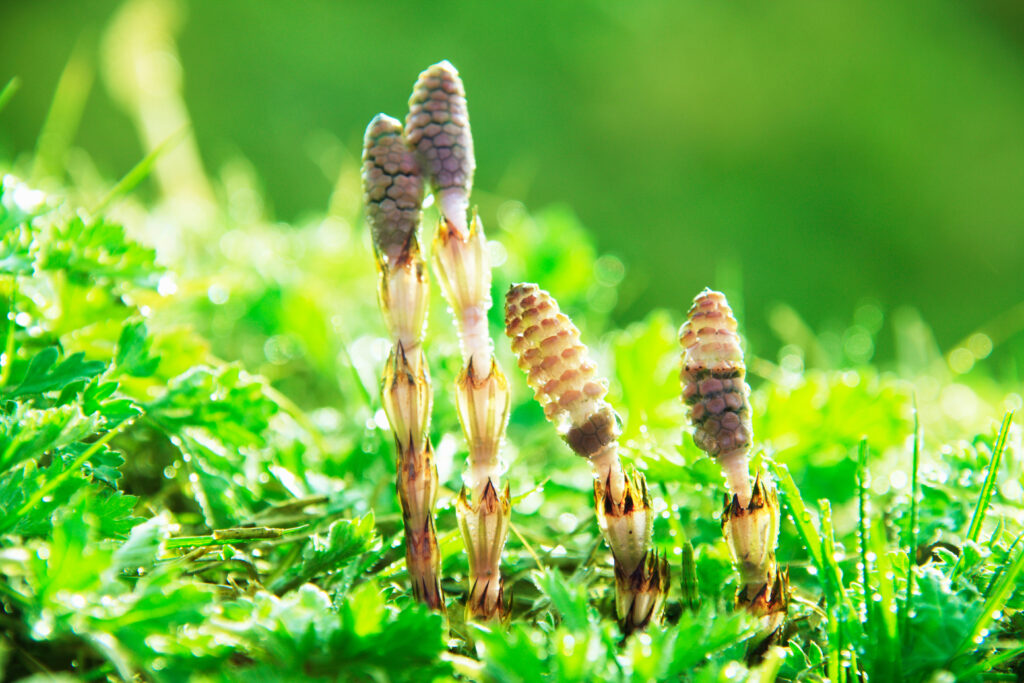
(347, 540)
(43, 373)
(16, 487)
(96, 251)
(133, 351)
(569, 600)
(115, 514)
(226, 402)
(104, 465)
(363, 637)
(29, 432)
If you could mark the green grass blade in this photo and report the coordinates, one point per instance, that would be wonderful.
(843, 622)
(990, 480)
(8, 92)
(915, 487)
(998, 574)
(996, 600)
(844, 614)
(798, 511)
(688, 579)
(883, 622)
(862, 522)
(833, 590)
(65, 113)
(139, 172)
(992, 662)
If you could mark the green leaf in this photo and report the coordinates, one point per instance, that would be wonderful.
(44, 373)
(347, 540)
(568, 600)
(103, 465)
(96, 251)
(114, 514)
(17, 485)
(29, 433)
(362, 637)
(100, 398)
(133, 351)
(226, 402)
(143, 547)
(942, 622)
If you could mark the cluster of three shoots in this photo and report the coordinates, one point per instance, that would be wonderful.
(436, 145)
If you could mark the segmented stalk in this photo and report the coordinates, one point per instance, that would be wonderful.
(566, 384)
(438, 127)
(717, 396)
(393, 193)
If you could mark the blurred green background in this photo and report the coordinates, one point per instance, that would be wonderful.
(847, 160)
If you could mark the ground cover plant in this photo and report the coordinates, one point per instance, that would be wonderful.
(197, 472)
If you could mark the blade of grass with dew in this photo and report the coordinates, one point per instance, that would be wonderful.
(915, 487)
(862, 522)
(139, 172)
(999, 572)
(7, 360)
(65, 113)
(995, 601)
(798, 512)
(991, 662)
(688, 579)
(8, 91)
(844, 624)
(822, 554)
(990, 479)
(882, 622)
(978, 518)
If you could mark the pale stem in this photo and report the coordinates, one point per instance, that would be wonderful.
(608, 469)
(736, 467)
(476, 343)
(454, 205)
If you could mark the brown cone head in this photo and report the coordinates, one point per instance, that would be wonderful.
(713, 375)
(437, 127)
(392, 187)
(559, 370)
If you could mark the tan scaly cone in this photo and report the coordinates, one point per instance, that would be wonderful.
(717, 396)
(438, 127)
(565, 383)
(393, 194)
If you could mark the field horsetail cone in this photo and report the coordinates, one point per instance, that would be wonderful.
(565, 383)
(393, 194)
(714, 388)
(438, 128)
